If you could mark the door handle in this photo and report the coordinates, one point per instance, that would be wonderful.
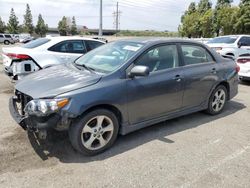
(177, 78)
(213, 71)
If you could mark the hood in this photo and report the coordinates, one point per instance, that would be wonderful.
(56, 80)
(223, 45)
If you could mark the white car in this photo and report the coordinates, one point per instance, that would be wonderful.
(231, 45)
(244, 63)
(45, 52)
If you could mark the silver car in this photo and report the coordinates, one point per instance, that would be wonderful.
(6, 39)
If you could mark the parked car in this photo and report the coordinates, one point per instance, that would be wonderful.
(26, 39)
(244, 63)
(121, 87)
(231, 45)
(44, 52)
(101, 39)
(15, 37)
(6, 39)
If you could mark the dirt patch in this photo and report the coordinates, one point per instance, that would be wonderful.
(16, 154)
(7, 91)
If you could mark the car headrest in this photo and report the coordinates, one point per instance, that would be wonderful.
(165, 53)
(198, 53)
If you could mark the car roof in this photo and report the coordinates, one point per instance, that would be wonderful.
(150, 40)
(54, 40)
(62, 38)
(233, 36)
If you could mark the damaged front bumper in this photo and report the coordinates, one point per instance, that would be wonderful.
(32, 123)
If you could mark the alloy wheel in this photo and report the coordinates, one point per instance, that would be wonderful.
(97, 132)
(219, 100)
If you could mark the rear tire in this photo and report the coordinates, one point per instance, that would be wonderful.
(94, 132)
(217, 100)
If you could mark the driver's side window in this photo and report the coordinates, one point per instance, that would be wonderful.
(159, 58)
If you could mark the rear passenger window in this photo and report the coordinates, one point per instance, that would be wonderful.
(92, 44)
(1, 36)
(195, 55)
(70, 46)
(245, 41)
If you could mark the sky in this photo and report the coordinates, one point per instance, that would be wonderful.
(157, 15)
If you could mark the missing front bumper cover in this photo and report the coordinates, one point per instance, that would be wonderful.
(15, 114)
(32, 123)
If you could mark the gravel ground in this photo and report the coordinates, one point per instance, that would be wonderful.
(197, 150)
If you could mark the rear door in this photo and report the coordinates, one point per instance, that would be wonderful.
(159, 93)
(200, 73)
(69, 50)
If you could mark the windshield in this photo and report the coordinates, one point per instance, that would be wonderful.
(36, 43)
(226, 40)
(109, 57)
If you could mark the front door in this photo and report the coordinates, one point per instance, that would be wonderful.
(159, 93)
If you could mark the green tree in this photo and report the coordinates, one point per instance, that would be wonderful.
(204, 6)
(244, 1)
(222, 3)
(216, 21)
(73, 28)
(63, 27)
(12, 25)
(242, 24)
(28, 24)
(206, 24)
(197, 20)
(41, 28)
(2, 26)
(190, 26)
(225, 17)
(191, 9)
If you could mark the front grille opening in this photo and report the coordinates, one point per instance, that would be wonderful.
(22, 100)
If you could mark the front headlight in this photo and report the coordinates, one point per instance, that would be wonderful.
(43, 107)
(217, 48)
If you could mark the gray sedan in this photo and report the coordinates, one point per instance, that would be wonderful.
(121, 87)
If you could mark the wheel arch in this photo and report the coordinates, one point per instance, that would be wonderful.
(227, 86)
(230, 54)
(109, 107)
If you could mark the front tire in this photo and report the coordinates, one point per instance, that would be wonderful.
(217, 100)
(6, 42)
(94, 132)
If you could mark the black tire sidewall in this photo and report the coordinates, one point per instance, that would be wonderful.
(210, 109)
(77, 126)
(6, 42)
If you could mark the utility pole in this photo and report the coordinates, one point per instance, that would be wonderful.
(117, 14)
(117, 22)
(100, 26)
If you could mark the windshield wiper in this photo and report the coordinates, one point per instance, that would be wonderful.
(86, 67)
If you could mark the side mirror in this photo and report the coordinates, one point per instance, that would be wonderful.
(139, 71)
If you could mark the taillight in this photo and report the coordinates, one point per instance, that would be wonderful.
(18, 56)
(243, 60)
(237, 69)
